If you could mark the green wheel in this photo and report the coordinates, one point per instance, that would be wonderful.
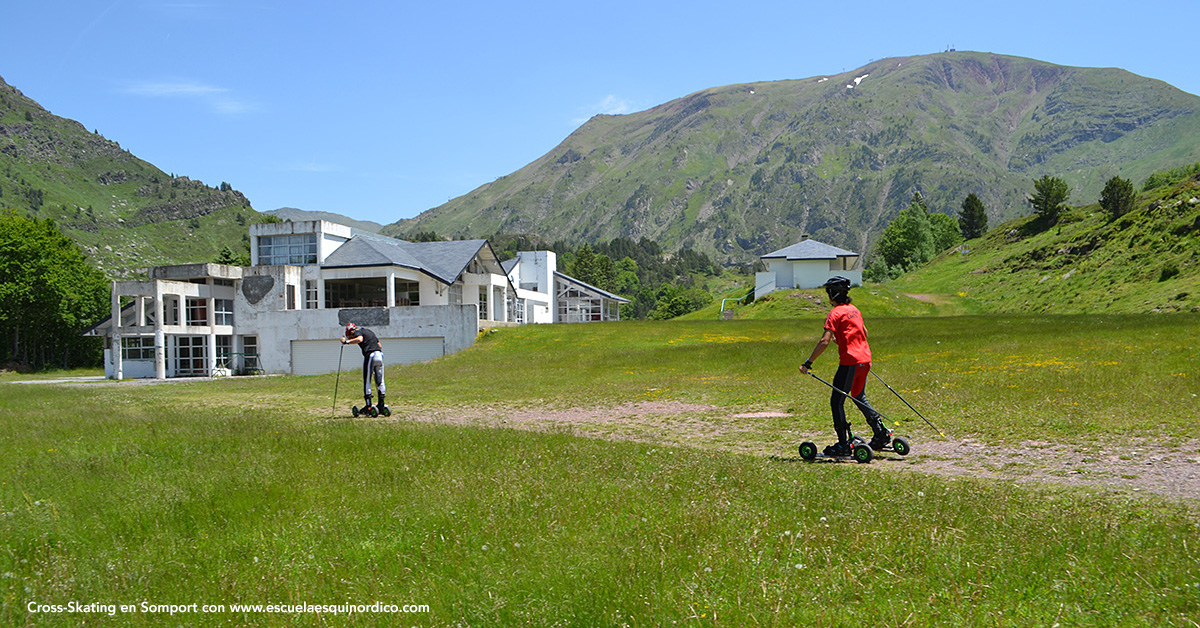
(901, 446)
(374, 412)
(354, 411)
(808, 450)
(862, 454)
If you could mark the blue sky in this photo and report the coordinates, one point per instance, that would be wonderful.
(381, 110)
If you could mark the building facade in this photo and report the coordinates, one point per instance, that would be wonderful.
(286, 311)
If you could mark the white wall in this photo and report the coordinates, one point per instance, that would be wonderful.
(533, 276)
(801, 275)
(809, 274)
(456, 324)
(784, 273)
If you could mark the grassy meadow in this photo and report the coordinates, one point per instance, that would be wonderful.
(247, 491)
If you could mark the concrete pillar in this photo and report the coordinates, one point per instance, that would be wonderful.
(116, 332)
(211, 357)
(160, 337)
(391, 288)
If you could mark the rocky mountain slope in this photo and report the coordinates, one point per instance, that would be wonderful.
(125, 212)
(741, 170)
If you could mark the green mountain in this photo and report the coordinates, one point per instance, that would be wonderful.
(1145, 261)
(741, 170)
(125, 213)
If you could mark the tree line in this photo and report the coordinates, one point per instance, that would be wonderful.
(659, 285)
(917, 235)
(49, 295)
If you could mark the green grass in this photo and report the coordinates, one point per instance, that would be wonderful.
(880, 299)
(1145, 261)
(11, 376)
(998, 377)
(244, 491)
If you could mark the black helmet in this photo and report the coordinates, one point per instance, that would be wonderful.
(836, 286)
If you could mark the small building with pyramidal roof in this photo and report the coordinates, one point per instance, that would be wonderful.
(805, 265)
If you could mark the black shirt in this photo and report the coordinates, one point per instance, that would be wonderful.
(370, 343)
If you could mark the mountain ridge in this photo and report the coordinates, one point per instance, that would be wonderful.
(125, 212)
(736, 171)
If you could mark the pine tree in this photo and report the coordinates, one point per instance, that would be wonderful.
(972, 220)
(1049, 198)
(1118, 197)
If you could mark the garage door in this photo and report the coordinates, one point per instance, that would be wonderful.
(316, 357)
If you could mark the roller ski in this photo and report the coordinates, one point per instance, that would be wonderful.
(370, 410)
(893, 444)
(857, 449)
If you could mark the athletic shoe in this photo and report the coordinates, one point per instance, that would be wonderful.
(881, 440)
(838, 449)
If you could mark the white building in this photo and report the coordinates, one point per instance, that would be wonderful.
(548, 296)
(805, 265)
(286, 311)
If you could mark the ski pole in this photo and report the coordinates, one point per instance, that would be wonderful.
(336, 381)
(943, 435)
(848, 395)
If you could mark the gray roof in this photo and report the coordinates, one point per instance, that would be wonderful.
(444, 261)
(809, 249)
(590, 288)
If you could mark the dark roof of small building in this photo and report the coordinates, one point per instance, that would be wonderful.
(809, 249)
(444, 261)
(589, 287)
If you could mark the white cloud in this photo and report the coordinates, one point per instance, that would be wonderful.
(218, 99)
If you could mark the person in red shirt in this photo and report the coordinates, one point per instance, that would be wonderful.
(844, 325)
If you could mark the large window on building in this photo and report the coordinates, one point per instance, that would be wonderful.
(223, 311)
(225, 351)
(137, 348)
(366, 292)
(297, 250)
(408, 292)
(578, 306)
(250, 361)
(197, 311)
(483, 302)
(455, 294)
(310, 295)
(191, 356)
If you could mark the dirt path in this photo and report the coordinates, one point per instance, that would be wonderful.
(1131, 467)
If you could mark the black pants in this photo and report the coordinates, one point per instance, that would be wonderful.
(845, 379)
(373, 367)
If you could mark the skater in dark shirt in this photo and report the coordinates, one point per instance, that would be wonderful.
(844, 325)
(372, 352)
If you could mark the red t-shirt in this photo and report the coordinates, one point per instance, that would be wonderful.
(846, 323)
